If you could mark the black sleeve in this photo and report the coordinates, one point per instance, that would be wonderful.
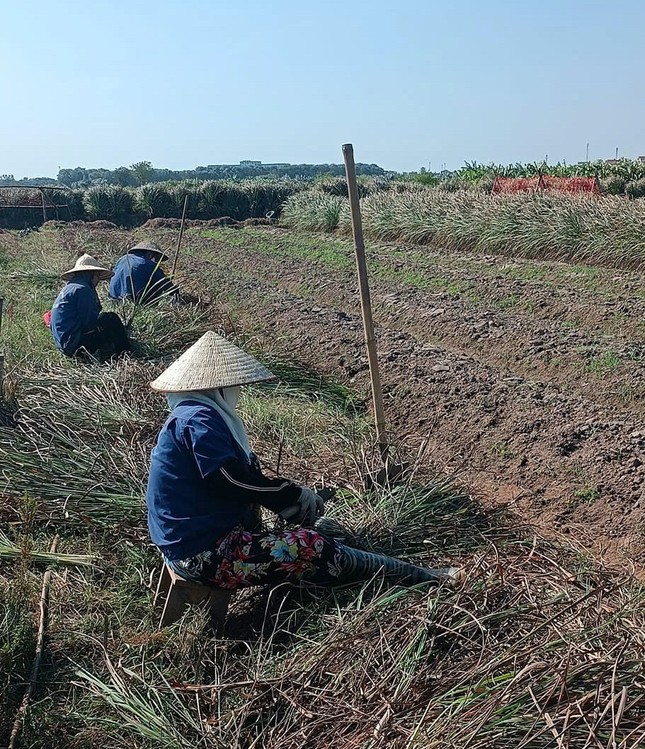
(248, 484)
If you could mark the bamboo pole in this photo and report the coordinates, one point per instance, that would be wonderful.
(366, 305)
(181, 234)
(40, 640)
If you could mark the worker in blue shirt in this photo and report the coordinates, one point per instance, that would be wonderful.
(78, 325)
(205, 482)
(138, 275)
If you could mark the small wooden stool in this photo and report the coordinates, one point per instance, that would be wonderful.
(176, 594)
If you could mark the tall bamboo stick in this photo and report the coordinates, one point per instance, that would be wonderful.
(366, 305)
(181, 234)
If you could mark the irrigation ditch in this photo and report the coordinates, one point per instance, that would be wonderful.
(542, 646)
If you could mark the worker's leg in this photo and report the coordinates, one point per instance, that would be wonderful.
(242, 559)
(361, 565)
(89, 346)
(114, 339)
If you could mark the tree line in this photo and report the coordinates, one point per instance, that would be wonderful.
(143, 172)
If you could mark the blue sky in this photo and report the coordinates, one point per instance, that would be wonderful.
(104, 83)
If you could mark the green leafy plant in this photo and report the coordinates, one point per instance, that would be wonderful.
(109, 203)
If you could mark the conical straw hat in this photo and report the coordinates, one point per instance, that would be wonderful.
(149, 247)
(210, 363)
(87, 263)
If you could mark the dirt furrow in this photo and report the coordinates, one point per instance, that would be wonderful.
(597, 363)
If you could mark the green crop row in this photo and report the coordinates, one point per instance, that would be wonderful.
(252, 198)
(602, 230)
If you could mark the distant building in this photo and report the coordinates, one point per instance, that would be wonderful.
(641, 158)
(248, 162)
(243, 163)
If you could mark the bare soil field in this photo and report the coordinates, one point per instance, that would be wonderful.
(525, 378)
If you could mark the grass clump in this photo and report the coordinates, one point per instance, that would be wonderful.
(588, 493)
(148, 713)
(608, 362)
(314, 211)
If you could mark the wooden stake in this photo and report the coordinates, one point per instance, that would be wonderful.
(366, 306)
(42, 626)
(42, 195)
(181, 234)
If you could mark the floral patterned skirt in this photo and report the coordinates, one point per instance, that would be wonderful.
(242, 558)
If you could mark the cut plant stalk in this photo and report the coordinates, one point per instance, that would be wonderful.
(10, 551)
(390, 472)
(181, 234)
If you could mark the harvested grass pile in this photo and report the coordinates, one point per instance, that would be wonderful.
(80, 442)
(536, 649)
(575, 228)
(98, 224)
(80, 439)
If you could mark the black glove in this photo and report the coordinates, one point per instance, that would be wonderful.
(309, 507)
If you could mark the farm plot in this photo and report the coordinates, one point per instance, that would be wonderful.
(541, 646)
(526, 377)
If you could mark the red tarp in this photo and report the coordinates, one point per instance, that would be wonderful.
(587, 185)
(515, 184)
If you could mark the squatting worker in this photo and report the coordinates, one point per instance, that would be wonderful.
(138, 275)
(204, 480)
(78, 325)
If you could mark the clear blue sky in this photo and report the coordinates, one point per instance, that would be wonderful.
(181, 83)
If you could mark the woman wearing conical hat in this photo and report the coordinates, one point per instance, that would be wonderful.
(204, 479)
(138, 275)
(77, 323)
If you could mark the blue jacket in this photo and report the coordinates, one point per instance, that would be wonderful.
(138, 278)
(186, 512)
(75, 313)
